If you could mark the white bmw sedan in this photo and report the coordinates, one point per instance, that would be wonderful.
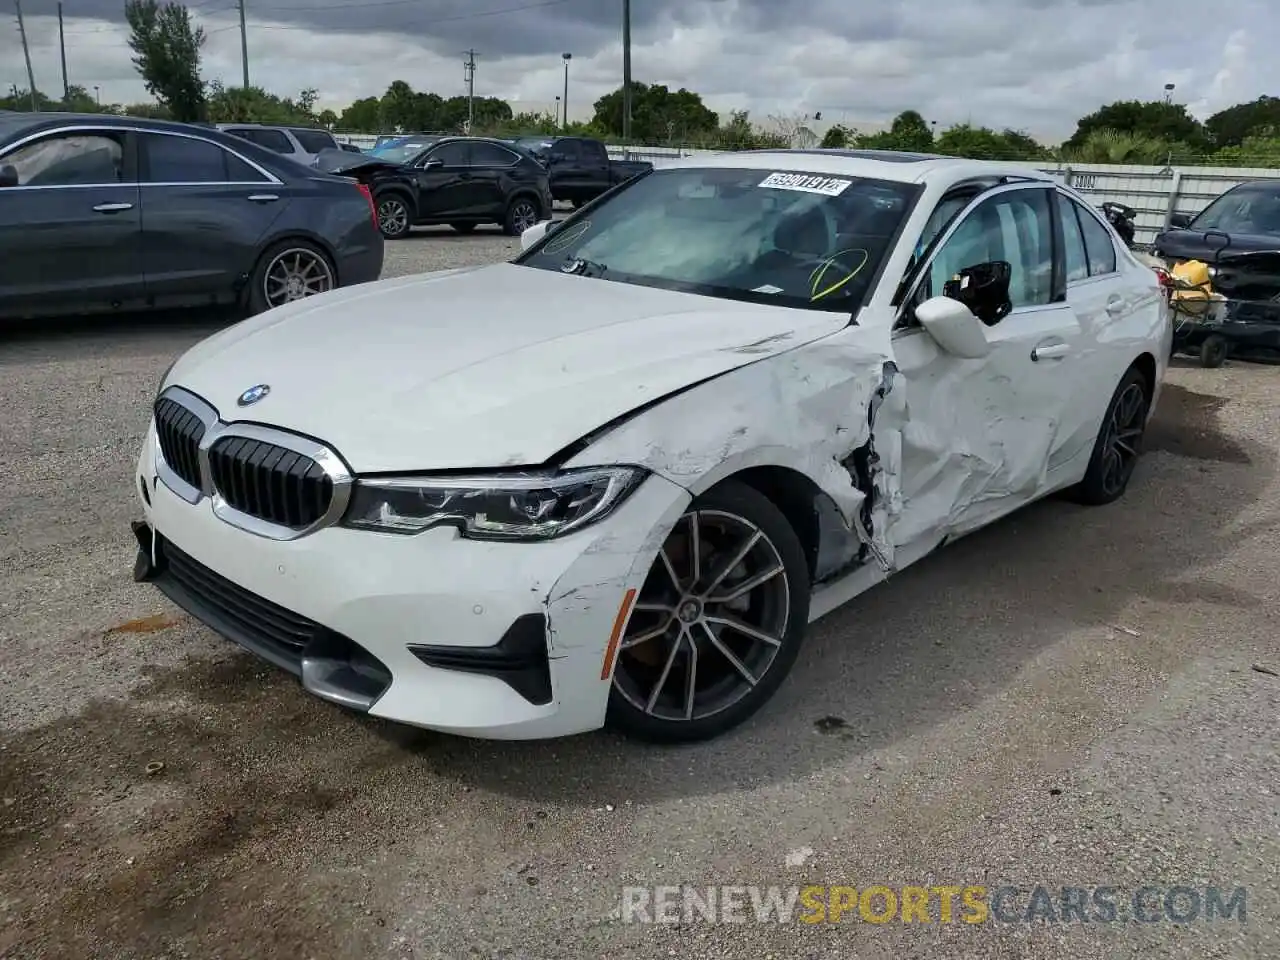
(614, 480)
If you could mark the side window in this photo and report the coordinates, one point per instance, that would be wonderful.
(594, 151)
(240, 172)
(491, 155)
(1099, 246)
(456, 154)
(313, 141)
(174, 159)
(564, 150)
(1073, 240)
(271, 139)
(1012, 226)
(75, 159)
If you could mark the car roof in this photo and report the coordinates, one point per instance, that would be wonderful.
(899, 166)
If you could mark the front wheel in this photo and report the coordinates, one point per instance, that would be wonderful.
(394, 219)
(522, 213)
(1119, 443)
(718, 622)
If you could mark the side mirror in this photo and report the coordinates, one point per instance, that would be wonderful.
(1179, 221)
(954, 327)
(8, 175)
(984, 289)
(432, 164)
(535, 233)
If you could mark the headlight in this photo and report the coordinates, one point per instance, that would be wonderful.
(511, 507)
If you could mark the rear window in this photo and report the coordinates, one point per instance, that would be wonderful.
(271, 139)
(313, 141)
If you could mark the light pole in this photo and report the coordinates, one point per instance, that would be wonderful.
(1168, 92)
(97, 94)
(567, 58)
(557, 111)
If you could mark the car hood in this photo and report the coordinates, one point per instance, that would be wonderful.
(345, 163)
(486, 367)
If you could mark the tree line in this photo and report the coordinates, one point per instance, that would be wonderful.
(166, 47)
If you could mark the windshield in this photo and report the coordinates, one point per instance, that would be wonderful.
(1253, 209)
(404, 150)
(791, 238)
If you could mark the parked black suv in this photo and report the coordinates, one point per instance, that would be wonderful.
(461, 181)
(580, 168)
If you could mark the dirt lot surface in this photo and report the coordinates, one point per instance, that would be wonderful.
(1070, 698)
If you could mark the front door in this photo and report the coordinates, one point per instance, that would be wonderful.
(70, 231)
(446, 187)
(205, 213)
(981, 435)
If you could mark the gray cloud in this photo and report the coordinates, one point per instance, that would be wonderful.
(1033, 64)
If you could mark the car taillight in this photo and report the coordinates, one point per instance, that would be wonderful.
(368, 195)
(1166, 280)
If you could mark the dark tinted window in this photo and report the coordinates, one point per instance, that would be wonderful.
(593, 151)
(74, 159)
(491, 155)
(1073, 239)
(451, 154)
(564, 150)
(173, 159)
(1252, 208)
(271, 139)
(1098, 245)
(313, 141)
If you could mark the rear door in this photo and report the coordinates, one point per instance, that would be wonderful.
(596, 170)
(70, 232)
(563, 169)
(445, 185)
(492, 167)
(205, 212)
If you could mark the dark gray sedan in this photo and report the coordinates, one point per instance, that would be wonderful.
(101, 213)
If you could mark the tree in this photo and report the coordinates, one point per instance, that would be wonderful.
(907, 132)
(1120, 146)
(166, 52)
(793, 129)
(19, 100)
(837, 137)
(983, 143)
(79, 100)
(1152, 120)
(363, 116)
(657, 113)
(1232, 126)
(253, 105)
(327, 119)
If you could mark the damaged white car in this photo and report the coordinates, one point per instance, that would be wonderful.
(615, 479)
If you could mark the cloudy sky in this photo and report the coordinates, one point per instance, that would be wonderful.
(1031, 64)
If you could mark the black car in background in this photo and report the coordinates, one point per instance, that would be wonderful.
(580, 168)
(101, 213)
(461, 181)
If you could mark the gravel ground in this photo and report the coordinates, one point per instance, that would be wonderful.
(1069, 698)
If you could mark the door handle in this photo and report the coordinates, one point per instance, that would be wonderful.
(1115, 306)
(112, 207)
(264, 198)
(1050, 351)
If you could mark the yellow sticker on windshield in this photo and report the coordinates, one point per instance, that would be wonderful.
(806, 183)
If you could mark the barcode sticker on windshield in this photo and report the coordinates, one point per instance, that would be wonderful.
(806, 183)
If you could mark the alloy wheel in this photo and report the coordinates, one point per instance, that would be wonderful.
(294, 274)
(1124, 438)
(523, 216)
(709, 622)
(393, 217)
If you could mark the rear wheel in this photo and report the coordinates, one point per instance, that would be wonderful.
(394, 219)
(1119, 443)
(522, 213)
(718, 623)
(289, 270)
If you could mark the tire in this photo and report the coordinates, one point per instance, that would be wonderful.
(282, 260)
(463, 227)
(1214, 350)
(395, 218)
(656, 647)
(517, 219)
(1119, 443)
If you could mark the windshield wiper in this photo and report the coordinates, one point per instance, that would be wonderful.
(583, 268)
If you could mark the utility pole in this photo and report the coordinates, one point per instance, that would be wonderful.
(469, 74)
(567, 58)
(626, 70)
(62, 51)
(244, 46)
(26, 52)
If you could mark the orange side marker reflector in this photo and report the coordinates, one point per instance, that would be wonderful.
(618, 624)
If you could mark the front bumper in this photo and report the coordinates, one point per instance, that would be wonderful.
(495, 640)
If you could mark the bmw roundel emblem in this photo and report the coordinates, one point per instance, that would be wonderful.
(253, 395)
